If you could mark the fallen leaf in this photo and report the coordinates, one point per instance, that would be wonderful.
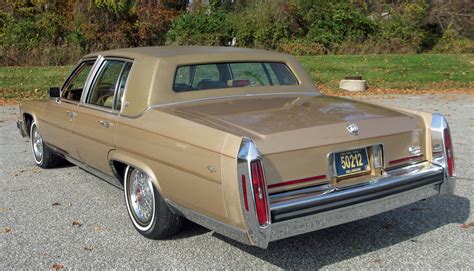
(76, 223)
(467, 225)
(378, 260)
(57, 266)
(99, 228)
(6, 229)
(89, 247)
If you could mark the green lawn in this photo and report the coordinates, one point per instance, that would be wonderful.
(427, 71)
(30, 82)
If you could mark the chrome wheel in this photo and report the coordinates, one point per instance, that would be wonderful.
(37, 144)
(141, 197)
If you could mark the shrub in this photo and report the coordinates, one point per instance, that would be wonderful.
(331, 23)
(451, 42)
(152, 24)
(302, 47)
(405, 25)
(373, 46)
(201, 28)
(267, 25)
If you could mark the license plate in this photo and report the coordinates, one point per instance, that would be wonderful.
(351, 162)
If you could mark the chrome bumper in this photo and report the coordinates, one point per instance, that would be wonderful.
(397, 188)
(22, 128)
(313, 212)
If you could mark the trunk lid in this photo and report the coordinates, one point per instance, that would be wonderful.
(295, 134)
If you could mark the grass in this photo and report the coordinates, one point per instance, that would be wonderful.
(18, 83)
(399, 72)
(394, 72)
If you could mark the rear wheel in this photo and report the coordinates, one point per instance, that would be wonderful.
(149, 213)
(43, 155)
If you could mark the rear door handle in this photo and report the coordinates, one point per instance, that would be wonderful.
(105, 124)
(71, 114)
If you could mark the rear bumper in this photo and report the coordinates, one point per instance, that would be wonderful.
(313, 212)
(22, 128)
(381, 188)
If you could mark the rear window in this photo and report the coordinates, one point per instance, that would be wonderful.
(228, 75)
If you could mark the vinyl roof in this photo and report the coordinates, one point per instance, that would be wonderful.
(174, 51)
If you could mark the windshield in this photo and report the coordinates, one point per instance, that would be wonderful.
(228, 75)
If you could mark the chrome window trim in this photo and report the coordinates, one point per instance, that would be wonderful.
(70, 77)
(99, 108)
(293, 74)
(92, 77)
(308, 93)
(124, 88)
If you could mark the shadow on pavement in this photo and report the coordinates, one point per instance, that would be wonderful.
(324, 247)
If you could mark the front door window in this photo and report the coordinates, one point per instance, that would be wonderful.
(74, 87)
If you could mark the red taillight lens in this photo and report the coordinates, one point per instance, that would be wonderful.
(259, 190)
(448, 145)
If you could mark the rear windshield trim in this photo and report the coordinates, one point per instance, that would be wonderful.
(290, 72)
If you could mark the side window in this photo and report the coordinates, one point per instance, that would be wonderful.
(283, 74)
(73, 88)
(122, 84)
(104, 85)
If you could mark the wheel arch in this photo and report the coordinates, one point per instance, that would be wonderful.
(28, 120)
(119, 161)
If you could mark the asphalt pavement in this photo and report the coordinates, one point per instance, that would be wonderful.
(69, 218)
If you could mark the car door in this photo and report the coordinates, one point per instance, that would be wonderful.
(59, 113)
(95, 126)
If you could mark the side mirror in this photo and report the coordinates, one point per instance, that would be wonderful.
(54, 92)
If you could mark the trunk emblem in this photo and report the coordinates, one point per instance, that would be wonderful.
(414, 150)
(352, 128)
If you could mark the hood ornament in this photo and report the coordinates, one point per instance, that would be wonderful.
(352, 128)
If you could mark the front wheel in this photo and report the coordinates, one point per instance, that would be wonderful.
(44, 156)
(149, 213)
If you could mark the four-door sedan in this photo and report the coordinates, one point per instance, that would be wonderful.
(237, 140)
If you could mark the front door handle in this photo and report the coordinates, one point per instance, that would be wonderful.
(105, 124)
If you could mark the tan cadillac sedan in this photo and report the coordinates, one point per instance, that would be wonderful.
(237, 140)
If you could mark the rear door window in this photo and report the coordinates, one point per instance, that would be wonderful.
(109, 84)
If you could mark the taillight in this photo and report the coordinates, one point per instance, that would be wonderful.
(259, 190)
(442, 144)
(448, 146)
